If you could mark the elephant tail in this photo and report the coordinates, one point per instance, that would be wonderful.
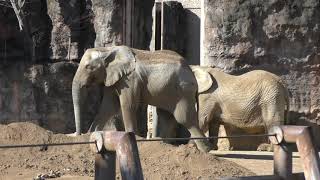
(287, 111)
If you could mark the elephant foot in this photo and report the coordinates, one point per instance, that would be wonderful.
(203, 145)
(265, 147)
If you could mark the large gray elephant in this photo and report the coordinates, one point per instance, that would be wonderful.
(257, 99)
(160, 78)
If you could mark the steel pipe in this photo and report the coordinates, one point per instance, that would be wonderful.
(282, 162)
(124, 145)
(302, 136)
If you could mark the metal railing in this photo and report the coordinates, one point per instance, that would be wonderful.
(286, 135)
(112, 145)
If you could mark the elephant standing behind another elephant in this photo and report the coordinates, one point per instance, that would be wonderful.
(253, 100)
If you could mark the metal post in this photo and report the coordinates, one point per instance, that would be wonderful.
(105, 166)
(282, 166)
(124, 144)
(301, 135)
(308, 154)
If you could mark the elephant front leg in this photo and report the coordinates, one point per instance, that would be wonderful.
(185, 113)
(109, 108)
(129, 111)
(129, 115)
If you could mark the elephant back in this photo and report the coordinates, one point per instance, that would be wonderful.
(158, 57)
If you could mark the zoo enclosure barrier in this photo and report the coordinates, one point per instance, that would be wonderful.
(110, 145)
(122, 145)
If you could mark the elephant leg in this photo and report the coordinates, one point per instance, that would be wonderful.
(185, 114)
(272, 115)
(129, 116)
(109, 108)
(166, 125)
(129, 103)
(214, 131)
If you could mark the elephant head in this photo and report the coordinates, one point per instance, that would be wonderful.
(99, 66)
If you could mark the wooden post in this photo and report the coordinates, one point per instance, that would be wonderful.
(125, 146)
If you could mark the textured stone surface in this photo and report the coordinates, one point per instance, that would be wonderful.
(41, 94)
(279, 36)
(65, 35)
(107, 22)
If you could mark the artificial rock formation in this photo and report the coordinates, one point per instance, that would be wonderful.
(279, 36)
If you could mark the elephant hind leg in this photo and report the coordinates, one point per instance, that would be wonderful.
(185, 114)
(167, 125)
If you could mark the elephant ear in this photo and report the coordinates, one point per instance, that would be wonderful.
(119, 62)
(203, 78)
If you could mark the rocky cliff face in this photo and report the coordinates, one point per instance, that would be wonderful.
(279, 36)
(42, 94)
(37, 65)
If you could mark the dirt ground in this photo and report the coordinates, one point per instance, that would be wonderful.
(258, 162)
(159, 161)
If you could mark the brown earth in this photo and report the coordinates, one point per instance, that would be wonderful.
(159, 160)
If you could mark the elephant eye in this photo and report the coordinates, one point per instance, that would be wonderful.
(87, 66)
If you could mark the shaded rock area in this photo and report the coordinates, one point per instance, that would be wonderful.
(42, 94)
(63, 30)
(279, 36)
(37, 64)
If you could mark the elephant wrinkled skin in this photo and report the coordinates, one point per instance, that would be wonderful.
(254, 100)
(136, 77)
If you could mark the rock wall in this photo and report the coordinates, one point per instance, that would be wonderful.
(58, 33)
(65, 35)
(42, 94)
(279, 36)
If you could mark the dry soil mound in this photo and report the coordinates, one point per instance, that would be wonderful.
(159, 161)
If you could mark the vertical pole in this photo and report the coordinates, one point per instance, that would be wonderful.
(110, 144)
(5, 50)
(128, 19)
(202, 31)
(105, 166)
(282, 166)
(128, 157)
(124, 22)
(308, 154)
(69, 47)
(162, 25)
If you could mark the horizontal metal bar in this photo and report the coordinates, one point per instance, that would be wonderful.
(138, 140)
(41, 145)
(212, 137)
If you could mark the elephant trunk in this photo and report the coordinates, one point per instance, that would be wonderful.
(78, 95)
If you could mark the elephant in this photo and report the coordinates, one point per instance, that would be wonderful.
(251, 101)
(135, 77)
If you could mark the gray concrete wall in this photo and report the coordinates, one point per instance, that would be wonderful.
(193, 14)
(191, 30)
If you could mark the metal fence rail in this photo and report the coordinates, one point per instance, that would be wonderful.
(138, 140)
(111, 144)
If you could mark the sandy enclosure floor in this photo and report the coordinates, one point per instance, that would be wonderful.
(159, 160)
